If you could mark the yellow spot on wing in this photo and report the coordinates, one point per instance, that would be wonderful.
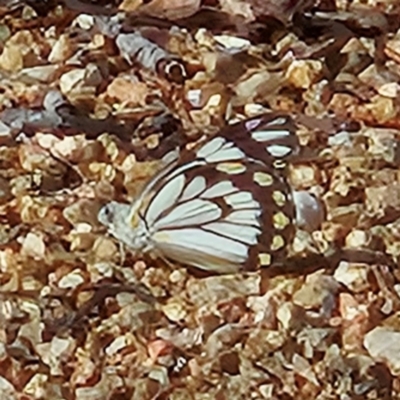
(280, 220)
(279, 164)
(279, 198)
(263, 179)
(277, 242)
(264, 258)
(231, 168)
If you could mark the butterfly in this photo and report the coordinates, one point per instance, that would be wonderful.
(223, 206)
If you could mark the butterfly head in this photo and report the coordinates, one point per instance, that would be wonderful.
(124, 222)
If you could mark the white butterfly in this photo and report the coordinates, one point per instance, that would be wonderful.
(223, 206)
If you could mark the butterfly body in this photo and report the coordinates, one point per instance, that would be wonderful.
(222, 206)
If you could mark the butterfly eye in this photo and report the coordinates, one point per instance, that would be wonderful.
(106, 214)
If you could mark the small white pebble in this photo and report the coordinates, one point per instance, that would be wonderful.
(71, 280)
(340, 139)
(310, 212)
(194, 97)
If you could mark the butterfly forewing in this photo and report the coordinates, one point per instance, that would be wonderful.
(220, 219)
(270, 138)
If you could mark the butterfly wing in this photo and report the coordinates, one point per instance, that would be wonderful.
(270, 138)
(221, 217)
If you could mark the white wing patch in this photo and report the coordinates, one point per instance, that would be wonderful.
(219, 189)
(165, 198)
(244, 234)
(253, 123)
(241, 200)
(218, 149)
(277, 150)
(195, 187)
(192, 212)
(191, 241)
(244, 217)
(269, 135)
(210, 147)
(227, 152)
(278, 121)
